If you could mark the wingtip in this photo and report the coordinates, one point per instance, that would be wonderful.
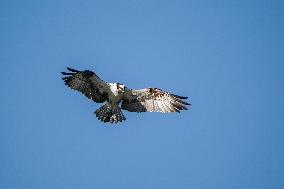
(72, 70)
(65, 73)
(183, 97)
(186, 103)
(180, 97)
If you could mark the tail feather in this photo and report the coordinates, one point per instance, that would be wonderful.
(110, 113)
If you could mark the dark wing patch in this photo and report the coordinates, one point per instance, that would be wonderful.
(153, 100)
(84, 82)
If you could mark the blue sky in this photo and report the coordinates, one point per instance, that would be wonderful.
(227, 56)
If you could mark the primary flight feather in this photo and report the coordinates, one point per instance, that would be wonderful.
(141, 100)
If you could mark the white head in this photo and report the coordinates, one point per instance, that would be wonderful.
(117, 88)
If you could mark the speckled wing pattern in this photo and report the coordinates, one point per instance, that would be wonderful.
(86, 82)
(153, 100)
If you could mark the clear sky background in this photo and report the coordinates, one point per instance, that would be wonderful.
(227, 56)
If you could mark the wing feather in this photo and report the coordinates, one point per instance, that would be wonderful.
(86, 82)
(153, 100)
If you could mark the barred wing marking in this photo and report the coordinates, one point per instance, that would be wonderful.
(86, 82)
(152, 100)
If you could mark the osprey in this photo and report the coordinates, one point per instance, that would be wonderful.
(141, 100)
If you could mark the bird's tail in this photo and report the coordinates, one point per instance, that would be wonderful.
(110, 113)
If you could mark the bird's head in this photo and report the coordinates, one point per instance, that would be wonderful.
(117, 88)
(120, 87)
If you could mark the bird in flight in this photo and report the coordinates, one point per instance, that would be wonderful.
(118, 97)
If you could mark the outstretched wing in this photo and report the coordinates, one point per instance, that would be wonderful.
(152, 100)
(86, 82)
